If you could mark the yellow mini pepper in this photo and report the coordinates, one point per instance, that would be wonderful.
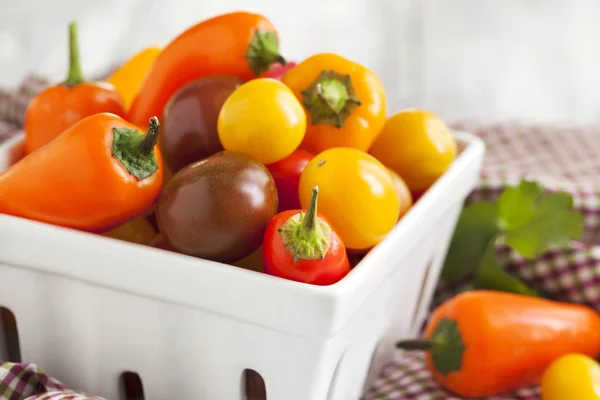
(128, 77)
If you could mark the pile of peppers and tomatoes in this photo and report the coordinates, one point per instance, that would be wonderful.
(226, 151)
(217, 147)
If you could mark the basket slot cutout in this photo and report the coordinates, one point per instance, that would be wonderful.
(335, 379)
(10, 349)
(132, 386)
(371, 369)
(253, 386)
(421, 293)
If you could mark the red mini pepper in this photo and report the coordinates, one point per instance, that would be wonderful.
(303, 247)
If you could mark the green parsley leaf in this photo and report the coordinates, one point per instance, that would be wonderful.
(517, 204)
(529, 220)
(491, 276)
(534, 221)
(476, 226)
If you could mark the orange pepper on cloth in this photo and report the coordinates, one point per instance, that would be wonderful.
(344, 101)
(238, 43)
(128, 78)
(58, 107)
(486, 343)
(95, 176)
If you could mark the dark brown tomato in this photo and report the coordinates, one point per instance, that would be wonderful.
(218, 208)
(189, 122)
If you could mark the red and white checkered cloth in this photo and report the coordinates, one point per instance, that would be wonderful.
(559, 157)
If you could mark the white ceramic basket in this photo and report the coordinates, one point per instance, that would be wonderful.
(89, 308)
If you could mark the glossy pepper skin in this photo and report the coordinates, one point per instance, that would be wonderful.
(242, 44)
(487, 343)
(344, 101)
(60, 106)
(300, 245)
(95, 176)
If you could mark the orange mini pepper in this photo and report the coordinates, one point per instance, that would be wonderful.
(486, 343)
(344, 101)
(95, 176)
(58, 107)
(238, 43)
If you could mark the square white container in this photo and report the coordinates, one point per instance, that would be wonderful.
(89, 308)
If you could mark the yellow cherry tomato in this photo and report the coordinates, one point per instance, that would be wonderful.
(404, 196)
(129, 76)
(417, 145)
(572, 377)
(138, 230)
(356, 194)
(264, 119)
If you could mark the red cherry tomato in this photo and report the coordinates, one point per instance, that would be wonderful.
(277, 71)
(287, 178)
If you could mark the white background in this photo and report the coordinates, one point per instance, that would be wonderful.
(484, 59)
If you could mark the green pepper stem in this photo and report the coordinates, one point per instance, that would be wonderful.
(271, 50)
(150, 138)
(75, 75)
(330, 99)
(305, 235)
(136, 151)
(309, 221)
(415, 344)
(263, 51)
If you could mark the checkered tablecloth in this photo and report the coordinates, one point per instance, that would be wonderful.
(559, 157)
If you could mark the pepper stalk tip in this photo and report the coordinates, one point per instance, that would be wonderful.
(75, 75)
(151, 137)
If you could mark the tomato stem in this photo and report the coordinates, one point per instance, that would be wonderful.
(263, 51)
(305, 235)
(330, 99)
(75, 76)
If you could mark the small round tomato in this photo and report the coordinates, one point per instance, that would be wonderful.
(572, 377)
(417, 145)
(286, 174)
(262, 118)
(356, 194)
(404, 196)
